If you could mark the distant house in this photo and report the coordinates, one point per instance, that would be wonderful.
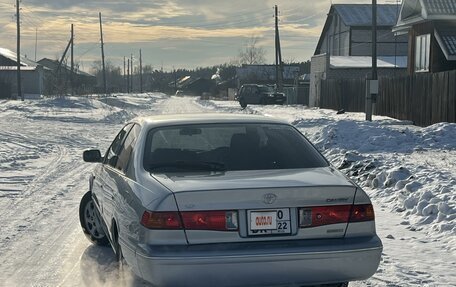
(265, 74)
(194, 86)
(431, 28)
(344, 50)
(32, 75)
(83, 82)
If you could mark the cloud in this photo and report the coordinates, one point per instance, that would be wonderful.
(179, 25)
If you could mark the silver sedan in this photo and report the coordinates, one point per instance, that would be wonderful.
(227, 200)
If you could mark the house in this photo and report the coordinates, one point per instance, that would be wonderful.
(431, 29)
(83, 82)
(348, 31)
(265, 74)
(194, 86)
(32, 75)
(344, 49)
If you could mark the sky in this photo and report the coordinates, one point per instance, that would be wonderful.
(170, 33)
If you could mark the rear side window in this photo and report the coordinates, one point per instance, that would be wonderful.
(124, 161)
(229, 147)
(112, 154)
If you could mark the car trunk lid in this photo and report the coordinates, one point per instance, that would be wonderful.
(260, 195)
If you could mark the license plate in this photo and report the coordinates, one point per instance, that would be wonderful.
(266, 222)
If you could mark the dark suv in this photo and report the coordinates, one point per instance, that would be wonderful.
(259, 94)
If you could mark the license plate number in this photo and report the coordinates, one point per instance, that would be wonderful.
(266, 222)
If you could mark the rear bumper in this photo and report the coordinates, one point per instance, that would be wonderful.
(261, 264)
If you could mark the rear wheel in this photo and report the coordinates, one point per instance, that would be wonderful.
(243, 103)
(90, 223)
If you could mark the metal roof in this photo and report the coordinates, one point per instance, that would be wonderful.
(419, 11)
(361, 14)
(440, 7)
(53, 64)
(13, 57)
(446, 37)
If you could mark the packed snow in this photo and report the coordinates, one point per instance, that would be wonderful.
(408, 171)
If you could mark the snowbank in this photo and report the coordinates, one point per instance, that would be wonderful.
(408, 169)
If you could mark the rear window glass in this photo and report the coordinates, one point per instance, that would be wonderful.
(229, 147)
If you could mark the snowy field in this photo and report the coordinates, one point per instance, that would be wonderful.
(409, 172)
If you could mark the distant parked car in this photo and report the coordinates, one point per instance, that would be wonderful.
(259, 94)
(227, 200)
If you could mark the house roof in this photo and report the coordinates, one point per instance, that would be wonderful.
(417, 11)
(439, 7)
(53, 64)
(361, 14)
(13, 57)
(446, 37)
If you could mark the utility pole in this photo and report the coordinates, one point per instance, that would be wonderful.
(372, 85)
(132, 73)
(125, 77)
(374, 40)
(19, 84)
(140, 72)
(128, 76)
(72, 60)
(175, 79)
(103, 57)
(36, 41)
(279, 64)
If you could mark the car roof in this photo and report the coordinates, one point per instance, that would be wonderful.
(204, 118)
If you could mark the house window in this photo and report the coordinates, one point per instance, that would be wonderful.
(422, 53)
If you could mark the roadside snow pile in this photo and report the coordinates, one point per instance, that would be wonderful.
(441, 136)
(68, 109)
(376, 155)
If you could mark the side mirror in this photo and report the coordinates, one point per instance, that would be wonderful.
(93, 155)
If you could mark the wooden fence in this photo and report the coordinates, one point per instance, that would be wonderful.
(424, 99)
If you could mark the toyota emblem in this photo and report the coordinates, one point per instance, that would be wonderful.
(269, 198)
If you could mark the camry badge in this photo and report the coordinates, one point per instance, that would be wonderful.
(269, 198)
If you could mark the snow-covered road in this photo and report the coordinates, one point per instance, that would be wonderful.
(42, 178)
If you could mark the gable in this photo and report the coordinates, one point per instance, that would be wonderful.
(411, 9)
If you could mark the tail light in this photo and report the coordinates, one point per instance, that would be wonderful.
(361, 213)
(161, 220)
(325, 215)
(191, 220)
(210, 220)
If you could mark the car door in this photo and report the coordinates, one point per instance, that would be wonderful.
(106, 182)
(256, 96)
(125, 202)
(248, 95)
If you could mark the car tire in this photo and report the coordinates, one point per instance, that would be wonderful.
(90, 223)
(243, 103)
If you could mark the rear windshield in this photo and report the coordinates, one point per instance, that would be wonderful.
(229, 147)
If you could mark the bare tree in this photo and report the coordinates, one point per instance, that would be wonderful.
(251, 53)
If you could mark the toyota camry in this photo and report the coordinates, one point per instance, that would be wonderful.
(227, 200)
